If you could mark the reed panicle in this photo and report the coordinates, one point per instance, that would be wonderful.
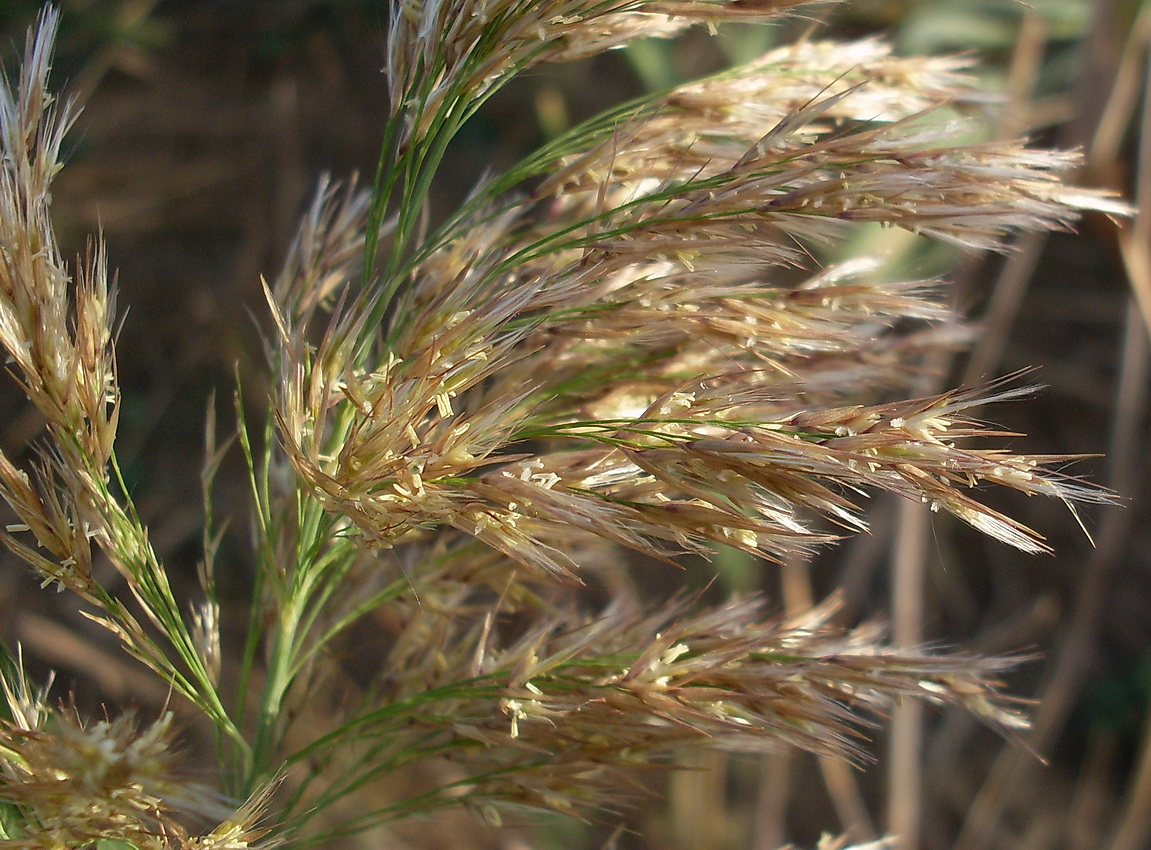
(611, 347)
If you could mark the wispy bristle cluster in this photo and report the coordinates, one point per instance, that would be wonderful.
(549, 719)
(83, 784)
(56, 332)
(634, 365)
(440, 51)
(79, 783)
(700, 127)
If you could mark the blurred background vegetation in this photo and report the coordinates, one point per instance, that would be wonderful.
(208, 123)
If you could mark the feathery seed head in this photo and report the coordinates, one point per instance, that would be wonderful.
(110, 779)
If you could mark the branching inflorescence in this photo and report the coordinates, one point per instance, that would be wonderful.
(613, 344)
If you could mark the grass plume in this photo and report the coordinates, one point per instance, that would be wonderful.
(614, 346)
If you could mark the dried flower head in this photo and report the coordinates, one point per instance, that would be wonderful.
(111, 779)
(554, 718)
